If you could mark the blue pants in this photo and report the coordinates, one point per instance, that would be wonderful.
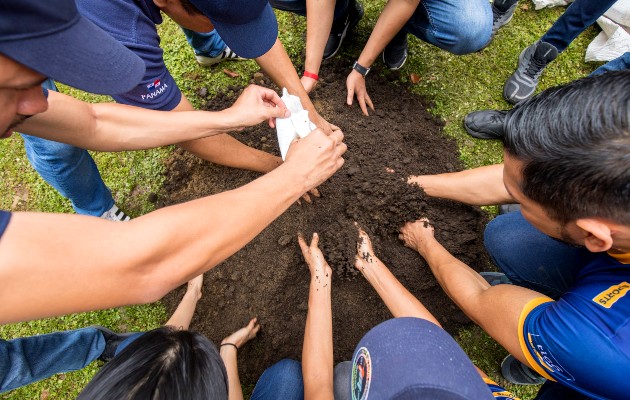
(27, 360)
(460, 27)
(578, 16)
(205, 44)
(72, 171)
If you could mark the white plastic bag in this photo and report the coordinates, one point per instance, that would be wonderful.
(297, 125)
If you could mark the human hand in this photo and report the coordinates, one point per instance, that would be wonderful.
(243, 335)
(315, 259)
(255, 105)
(417, 235)
(316, 157)
(321, 123)
(355, 83)
(308, 83)
(365, 253)
(307, 196)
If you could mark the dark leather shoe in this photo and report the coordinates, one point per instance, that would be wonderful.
(112, 340)
(395, 53)
(485, 124)
(340, 28)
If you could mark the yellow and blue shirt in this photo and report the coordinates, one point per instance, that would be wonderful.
(583, 339)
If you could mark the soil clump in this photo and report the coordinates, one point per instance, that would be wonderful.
(269, 279)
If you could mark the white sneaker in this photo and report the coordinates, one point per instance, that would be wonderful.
(115, 214)
(226, 55)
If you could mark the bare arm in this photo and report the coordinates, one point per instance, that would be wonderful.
(278, 66)
(117, 127)
(479, 186)
(317, 353)
(496, 309)
(399, 301)
(57, 264)
(394, 16)
(229, 350)
(319, 19)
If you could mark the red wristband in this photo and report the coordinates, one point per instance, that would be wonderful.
(311, 75)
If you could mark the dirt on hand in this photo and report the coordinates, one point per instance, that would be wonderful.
(269, 279)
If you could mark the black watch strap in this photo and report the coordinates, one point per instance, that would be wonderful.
(360, 68)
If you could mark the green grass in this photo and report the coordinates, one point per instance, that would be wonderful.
(455, 84)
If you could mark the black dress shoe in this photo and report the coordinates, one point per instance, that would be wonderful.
(395, 53)
(341, 26)
(485, 124)
(112, 340)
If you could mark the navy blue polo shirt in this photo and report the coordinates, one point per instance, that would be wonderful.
(133, 23)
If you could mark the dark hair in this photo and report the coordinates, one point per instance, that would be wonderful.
(574, 142)
(164, 363)
(190, 8)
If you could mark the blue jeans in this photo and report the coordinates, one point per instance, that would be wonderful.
(27, 360)
(205, 44)
(299, 7)
(459, 27)
(283, 380)
(618, 64)
(578, 16)
(70, 170)
(532, 259)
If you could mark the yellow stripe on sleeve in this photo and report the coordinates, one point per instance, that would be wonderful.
(523, 340)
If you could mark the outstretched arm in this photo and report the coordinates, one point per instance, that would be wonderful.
(117, 127)
(496, 309)
(57, 264)
(394, 16)
(186, 308)
(317, 353)
(229, 349)
(278, 66)
(319, 19)
(478, 186)
(399, 301)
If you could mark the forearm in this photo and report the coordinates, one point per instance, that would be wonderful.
(117, 127)
(155, 253)
(479, 186)
(229, 357)
(278, 66)
(394, 16)
(399, 301)
(319, 19)
(317, 353)
(460, 282)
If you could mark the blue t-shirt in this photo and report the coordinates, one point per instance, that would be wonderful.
(133, 23)
(583, 339)
(5, 216)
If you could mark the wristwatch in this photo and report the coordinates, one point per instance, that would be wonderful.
(360, 68)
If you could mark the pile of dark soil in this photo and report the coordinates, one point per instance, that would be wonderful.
(269, 279)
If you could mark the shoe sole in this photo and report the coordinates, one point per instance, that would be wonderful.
(349, 27)
(505, 371)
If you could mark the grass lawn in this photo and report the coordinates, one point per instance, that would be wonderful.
(456, 85)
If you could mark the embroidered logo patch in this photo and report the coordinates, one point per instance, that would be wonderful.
(361, 374)
(611, 295)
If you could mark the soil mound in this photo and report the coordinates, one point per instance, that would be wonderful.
(269, 279)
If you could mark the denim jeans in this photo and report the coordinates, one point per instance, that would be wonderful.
(578, 16)
(283, 380)
(459, 27)
(70, 170)
(618, 64)
(532, 259)
(299, 6)
(27, 360)
(205, 44)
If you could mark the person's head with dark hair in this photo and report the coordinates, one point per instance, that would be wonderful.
(567, 158)
(163, 364)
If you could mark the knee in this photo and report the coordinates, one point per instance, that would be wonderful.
(288, 367)
(468, 31)
(38, 149)
(499, 236)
